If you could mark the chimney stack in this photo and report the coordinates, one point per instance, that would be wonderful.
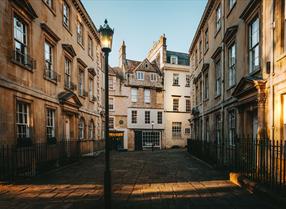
(122, 54)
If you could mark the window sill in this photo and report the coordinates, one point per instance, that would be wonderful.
(230, 10)
(176, 85)
(254, 72)
(217, 32)
(217, 96)
(81, 45)
(91, 57)
(67, 28)
(281, 57)
(23, 66)
(187, 86)
(50, 8)
(52, 81)
(231, 87)
(81, 96)
(206, 51)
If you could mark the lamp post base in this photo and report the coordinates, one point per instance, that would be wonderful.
(107, 189)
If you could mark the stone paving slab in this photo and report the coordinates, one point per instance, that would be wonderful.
(142, 180)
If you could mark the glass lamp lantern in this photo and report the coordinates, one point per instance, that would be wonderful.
(106, 35)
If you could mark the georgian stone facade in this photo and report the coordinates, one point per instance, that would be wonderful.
(237, 58)
(51, 72)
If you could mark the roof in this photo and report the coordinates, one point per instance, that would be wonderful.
(204, 18)
(183, 58)
(130, 65)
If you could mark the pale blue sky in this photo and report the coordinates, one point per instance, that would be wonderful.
(141, 22)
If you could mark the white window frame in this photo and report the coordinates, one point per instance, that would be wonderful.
(232, 65)
(68, 72)
(176, 103)
(134, 116)
(218, 77)
(206, 39)
(90, 46)
(147, 96)
(173, 60)
(218, 128)
(218, 18)
(111, 83)
(188, 105)
(111, 122)
(91, 130)
(20, 39)
(79, 33)
(206, 85)
(134, 95)
(147, 117)
(90, 91)
(160, 117)
(176, 79)
(50, 126)
(231, 4)
(49, 3)
(176, 130)
(254, 45)
(66, 15)
(81, 82)
(188, 80)
(22, 120)
(153, 77)
(48, 49)
(140, 75)
(111, 104)
(81, 128)
(232, 126)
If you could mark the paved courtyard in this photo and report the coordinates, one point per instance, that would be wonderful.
(149, 180)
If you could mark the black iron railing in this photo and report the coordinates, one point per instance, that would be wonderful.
(263, 161)
(51, 75)
(23, 59)
(26, 161)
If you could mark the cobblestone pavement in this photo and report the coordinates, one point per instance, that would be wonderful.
(149, 180)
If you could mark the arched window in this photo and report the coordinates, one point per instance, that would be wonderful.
(91, 130)
(81, 128)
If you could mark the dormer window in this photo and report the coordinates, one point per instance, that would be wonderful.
(140, 75)
(174, 60)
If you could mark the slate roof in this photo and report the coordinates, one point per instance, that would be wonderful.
(131, 65)
(183, 58)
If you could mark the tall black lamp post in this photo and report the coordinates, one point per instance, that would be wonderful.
(153, 142)
(106, 35)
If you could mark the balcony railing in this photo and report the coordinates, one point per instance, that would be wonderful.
(52, 75)
(70, 85)
(23, 59)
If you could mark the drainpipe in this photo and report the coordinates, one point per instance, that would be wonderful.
(272, 71)
(223, 72)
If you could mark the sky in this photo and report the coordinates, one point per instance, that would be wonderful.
(141, 22)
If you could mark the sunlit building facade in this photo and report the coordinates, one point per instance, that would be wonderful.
(51, 73)
(238, 75)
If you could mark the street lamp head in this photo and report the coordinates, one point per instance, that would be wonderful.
(106, 35)
(152, 123)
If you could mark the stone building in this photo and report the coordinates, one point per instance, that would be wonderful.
(153, 95)
(118, 101)
(177, 102)
(51, 77)
(237, 60)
